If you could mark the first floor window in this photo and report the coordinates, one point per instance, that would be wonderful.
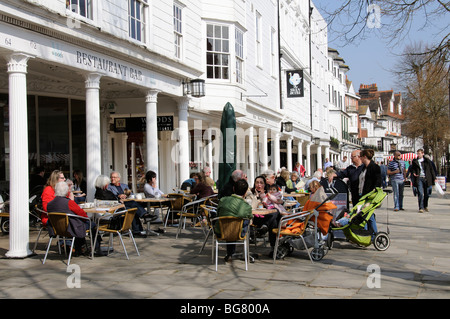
(136, 19)
(217, 52)
(81, 7)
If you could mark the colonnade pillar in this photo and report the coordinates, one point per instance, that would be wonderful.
(183, 138)
(93, 139)
(152, 152)
(18, 157)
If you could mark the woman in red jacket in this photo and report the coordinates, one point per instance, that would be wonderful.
(49, 191)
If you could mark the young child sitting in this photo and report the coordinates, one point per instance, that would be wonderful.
(273, 199)
(341, 222)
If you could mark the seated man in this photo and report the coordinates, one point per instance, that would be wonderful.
(119, 190)
(62, 204)
(236, 206)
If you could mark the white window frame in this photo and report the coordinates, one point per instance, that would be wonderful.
(138, 22)
(217, 51)
(178, 30)
(258, 38)
(239, 53)
(75, 7)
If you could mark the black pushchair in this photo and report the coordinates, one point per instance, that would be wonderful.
(34, 203)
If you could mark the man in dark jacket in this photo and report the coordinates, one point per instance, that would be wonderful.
(424, 177)
(352, 173)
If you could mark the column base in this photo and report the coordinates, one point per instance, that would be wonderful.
(19, 254)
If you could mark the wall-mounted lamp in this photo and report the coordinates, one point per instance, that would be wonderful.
(194, 88)
(316, 140)
(287, 127)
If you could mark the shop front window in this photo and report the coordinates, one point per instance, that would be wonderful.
(54, 134)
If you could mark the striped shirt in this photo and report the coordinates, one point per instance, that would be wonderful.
(395, 165)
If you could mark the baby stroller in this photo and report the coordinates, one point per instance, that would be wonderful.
(305, 229)
(34, 204)
(359, 230)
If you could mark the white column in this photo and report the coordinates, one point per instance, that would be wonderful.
(93, 141)
(251, 156)
(289, 153)
(18, 157)
(308, 159)
(152, 152)
(263, 149)
(300, 152)
(327, 154)
(183, 138)
(276, 151)
(209, 151)
(319, 157)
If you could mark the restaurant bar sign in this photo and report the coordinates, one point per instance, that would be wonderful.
(139, 124)
(294, 82)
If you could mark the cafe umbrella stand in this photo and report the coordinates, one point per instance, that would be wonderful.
(227, 162)
(228, 155)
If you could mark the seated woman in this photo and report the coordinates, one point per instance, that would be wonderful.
(79, 186)
(201, 189)
(265, 222)
(101, 188)
(151, 189)
(48, 193)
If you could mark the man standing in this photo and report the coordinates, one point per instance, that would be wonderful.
(327, 164)
(424, 177)
(352, 173)
(341, 164)
(397, 173)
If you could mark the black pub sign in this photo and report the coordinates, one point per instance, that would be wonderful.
(294, 83)
(139, 124)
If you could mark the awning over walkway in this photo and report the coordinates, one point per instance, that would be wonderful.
(405, 157)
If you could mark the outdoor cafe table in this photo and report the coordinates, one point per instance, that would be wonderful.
(299, 197)
(99, 211)
(263, 211)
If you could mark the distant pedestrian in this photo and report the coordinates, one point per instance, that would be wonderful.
(397, 174)
(424, 176)
(384, 174)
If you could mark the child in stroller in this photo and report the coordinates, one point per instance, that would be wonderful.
(356, 226)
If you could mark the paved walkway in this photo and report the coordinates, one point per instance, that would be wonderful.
(416, 266)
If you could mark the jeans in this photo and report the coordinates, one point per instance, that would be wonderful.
(398, 187)
(423, 192)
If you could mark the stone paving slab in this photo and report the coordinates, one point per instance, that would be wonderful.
(416, 266)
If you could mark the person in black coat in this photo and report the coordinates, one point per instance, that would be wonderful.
(370, 177)
(424, 176)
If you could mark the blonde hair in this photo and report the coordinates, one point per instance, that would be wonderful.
(54, 178)
(285, 174)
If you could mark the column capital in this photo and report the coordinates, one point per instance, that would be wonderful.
(183, 104)
(151, 96)
(18, 62)
(92, 80)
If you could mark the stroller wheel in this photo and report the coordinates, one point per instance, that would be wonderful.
(4, 225)
(330, 240)
(317, 254)
(285, 249)
(381, 241)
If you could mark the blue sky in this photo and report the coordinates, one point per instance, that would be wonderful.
(372, 59)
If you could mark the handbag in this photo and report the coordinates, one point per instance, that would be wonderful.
(116, 222)
(439, 190)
